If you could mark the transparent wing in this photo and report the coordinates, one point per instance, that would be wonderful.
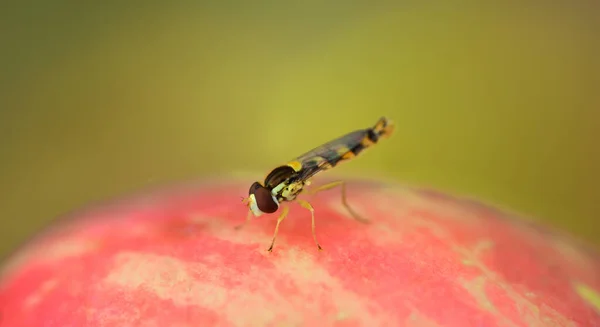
(329, 154)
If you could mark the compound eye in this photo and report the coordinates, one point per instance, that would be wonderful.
(254, 187)
(264, 199)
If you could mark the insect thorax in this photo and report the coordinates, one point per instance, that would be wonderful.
(287, 191)
(284, 183)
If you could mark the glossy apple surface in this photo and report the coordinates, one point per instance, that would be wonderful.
(173, 258)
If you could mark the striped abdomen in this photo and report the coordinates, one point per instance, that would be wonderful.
(341, 149)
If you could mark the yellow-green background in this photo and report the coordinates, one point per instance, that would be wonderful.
(499, 100)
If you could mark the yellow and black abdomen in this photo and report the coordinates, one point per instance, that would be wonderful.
(341, 149)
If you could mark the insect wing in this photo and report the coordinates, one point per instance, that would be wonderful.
(329, 154)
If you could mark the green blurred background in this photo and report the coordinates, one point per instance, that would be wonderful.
(499, 101)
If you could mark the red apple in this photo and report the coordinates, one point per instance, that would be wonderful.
(173, 258)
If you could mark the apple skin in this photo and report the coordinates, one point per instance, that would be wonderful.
(173, 258)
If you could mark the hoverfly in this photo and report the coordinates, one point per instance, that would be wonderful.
(285, 183)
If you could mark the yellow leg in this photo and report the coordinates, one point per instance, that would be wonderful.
(248, 217)
(344, 202)
(282, 216)
(307, 205)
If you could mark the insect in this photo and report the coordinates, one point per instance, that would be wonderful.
(284, 183)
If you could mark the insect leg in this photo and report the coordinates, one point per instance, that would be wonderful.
(344, 202)
(307, 205)
(248, 217)
(281, 217)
